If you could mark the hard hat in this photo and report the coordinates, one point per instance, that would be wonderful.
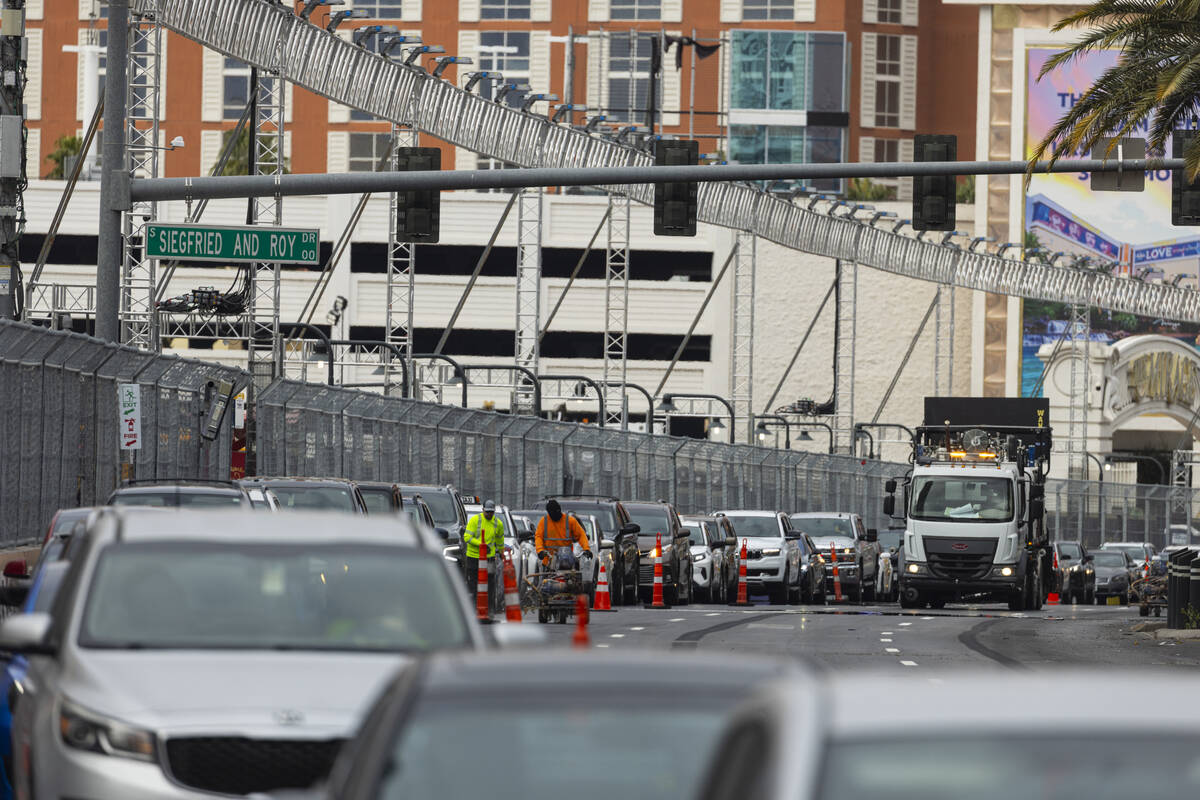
(489, 505)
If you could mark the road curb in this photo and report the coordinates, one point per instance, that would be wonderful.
(1174, 633)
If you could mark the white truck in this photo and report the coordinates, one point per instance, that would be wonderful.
(973, 504)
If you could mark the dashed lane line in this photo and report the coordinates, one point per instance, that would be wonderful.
(617, 635)
(885, 640)
(909, 663)
(637, 628)
(892, 649)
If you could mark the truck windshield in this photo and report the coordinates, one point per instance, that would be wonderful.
(949, 498)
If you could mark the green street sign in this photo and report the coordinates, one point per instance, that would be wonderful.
(232, 244)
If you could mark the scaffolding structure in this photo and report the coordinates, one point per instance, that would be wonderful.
(943, 343)
(529, 295)
(1077, 429)
(843, 395)
(616, 309)
(741, 379)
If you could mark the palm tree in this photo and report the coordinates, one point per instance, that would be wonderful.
(1156, 78)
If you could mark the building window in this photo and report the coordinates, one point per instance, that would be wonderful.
(635, 9)
(887, 151)
(781, 70)
(768, 9)
(379, 9)
(887, 82)
(237, 88)
(506, 52)
(889, 11)
(368, 151)
(504, 9)
(785, 144)
(629, 77)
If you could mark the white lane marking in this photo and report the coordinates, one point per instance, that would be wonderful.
(909, 663)
(905, 624)
(886, 633)
(771, 626)
(601, 645)
(637, 629)
(885, 640)
(617, 635)
(926, 617)
(677, 619)
(892, 649)
(714, 614)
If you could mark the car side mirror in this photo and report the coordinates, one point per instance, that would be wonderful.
(889, 505)
(890, 486)
(1088, 559)
(442, 533)
(731, 542)
(630, 529)
(525, 536)
(605, 544)
(26, 634)
(16, 568)
(872, 535)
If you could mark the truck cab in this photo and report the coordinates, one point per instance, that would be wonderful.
(973, 508)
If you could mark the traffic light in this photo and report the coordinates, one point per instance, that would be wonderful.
(675, 202)
(934, 195)
(1185, 196)
(417, 211)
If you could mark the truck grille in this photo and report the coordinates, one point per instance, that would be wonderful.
(239, 766)
(753, 553)
(958, 559)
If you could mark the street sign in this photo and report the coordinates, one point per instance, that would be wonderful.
(129, 405)
(232, 244)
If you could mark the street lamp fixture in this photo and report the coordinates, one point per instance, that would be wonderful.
(313, 5)
(528, 102)
(417, 52)
(668, 407)
(367, 31)
(775, 419)
(445, 61)
(509, 88)
(390, 43)
(473, 78)
(337, 17)
(562, 110)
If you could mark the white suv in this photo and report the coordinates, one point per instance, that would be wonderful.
(773, 562)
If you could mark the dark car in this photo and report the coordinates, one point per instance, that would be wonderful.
(415, 507)
(813, 585)
(660, 520)
(614, 521)
(182, 493)
(857, 549)
(380, 497)
(715, 558)
(1075, 581)
(445, 503)
(547, 724)
(310, 494)
(1113, 569)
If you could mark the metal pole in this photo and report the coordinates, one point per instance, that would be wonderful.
(696, 321)
(569, 78)
(575, 272)
(395, 351)
(114, 181)
(439, 357)
(652, 89)
(796, 355)
(584, 379)
(487, 251)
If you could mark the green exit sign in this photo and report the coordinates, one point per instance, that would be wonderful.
(232, 244)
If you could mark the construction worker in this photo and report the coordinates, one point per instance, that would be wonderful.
(484, 528)
(557, 530)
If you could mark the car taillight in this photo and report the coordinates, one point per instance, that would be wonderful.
(50, 530)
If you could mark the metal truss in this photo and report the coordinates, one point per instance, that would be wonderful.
(847, 320)
(1180, 510)
(401, 265)
(353, 76)
(616, 308)
(266, 351)
(1081, 363)
(529, 295)
(741, 366)
(943, 343)
(47, 300)
(142, 101)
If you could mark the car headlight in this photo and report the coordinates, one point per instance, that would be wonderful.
(1003, 572)
(848, 551)
(914, 568)
(700, 559)
(774, 551)
(84, 730)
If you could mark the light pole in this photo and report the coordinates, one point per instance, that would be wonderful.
(761, 428)
(1120, 456)
(458, 377)
(1099, 466)
(581, 379)
(394, 350)
(645, 392)
(320, 334)
(804, 437)
(667, 406)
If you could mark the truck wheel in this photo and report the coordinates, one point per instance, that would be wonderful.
(869, 593)
(1125, 599)
(910, 598)
(1016, 600)
(937, 602)
(1143, 610)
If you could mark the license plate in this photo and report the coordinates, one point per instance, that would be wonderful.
(1114, 601)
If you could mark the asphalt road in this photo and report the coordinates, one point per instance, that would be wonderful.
(887, 637)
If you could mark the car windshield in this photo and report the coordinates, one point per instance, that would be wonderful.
(695, 533)
(1133, 548)
(171, 498)
(755, 527)
(442, 507)
(224, 595)
(947, 498)
(313, 498)
(825, 528)
(1109, 558)
(1070, 550)
(1000, 767)
(377, 498)
(603, 514)
(651, 520)
(565, 749)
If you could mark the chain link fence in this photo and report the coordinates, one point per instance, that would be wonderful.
(59, 423)
(59, 440)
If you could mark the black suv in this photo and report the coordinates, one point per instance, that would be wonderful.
(446, 505)
(310, 494)
(655, 520)
(615, 527)
(181, 493)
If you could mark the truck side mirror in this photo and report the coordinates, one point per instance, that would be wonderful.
(872, 535)
(889, 504)
(1037, 506)
(1037, 491)
(890, 486)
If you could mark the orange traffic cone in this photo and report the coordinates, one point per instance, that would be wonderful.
(581, 638)
(512, 598)
(603, 600)
(743, 594)
(837, 580)
(481, 586)
(656, 599)
(1052, 598)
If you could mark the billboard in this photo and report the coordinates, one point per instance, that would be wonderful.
(1062, 213)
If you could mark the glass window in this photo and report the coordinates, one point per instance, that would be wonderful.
(237, 87)
(504, 9)
(313, 498)
(943, 498)
(635, 9)
(100, 37)
(1070, 550)
(443, 508)
(762, 527)
(380, 9)
(887, 150)
(222, 595)
(695, 533)
(887, 82)
(889, 11)
(379, 501)
(783, 144)
(823, 529)
(629, 77)
(171, 498)
(1110, 558)
(768, 9)
(788, 71)
(651, 520)
(368, 151)
(506, 52)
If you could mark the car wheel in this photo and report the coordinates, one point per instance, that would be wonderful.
(937, 603)
(543, 617)
(913, 599)
(1143, 610)
(777, 594)
(868, 592)
(685, 591)
(1089, 597)
(1125, 599)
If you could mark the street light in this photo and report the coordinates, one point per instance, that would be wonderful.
(320, 334)
(445, 61)
(580, 379)
(425, 49)
(337, 17)
(312, 6)
(806, 438)
(645, 393)
(1117, 456)
(761, 428)
(457, 378)
(528, 373)
(667, 406)
(1099, 466)
(395, 351)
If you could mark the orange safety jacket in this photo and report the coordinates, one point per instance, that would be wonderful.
(552, 535)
